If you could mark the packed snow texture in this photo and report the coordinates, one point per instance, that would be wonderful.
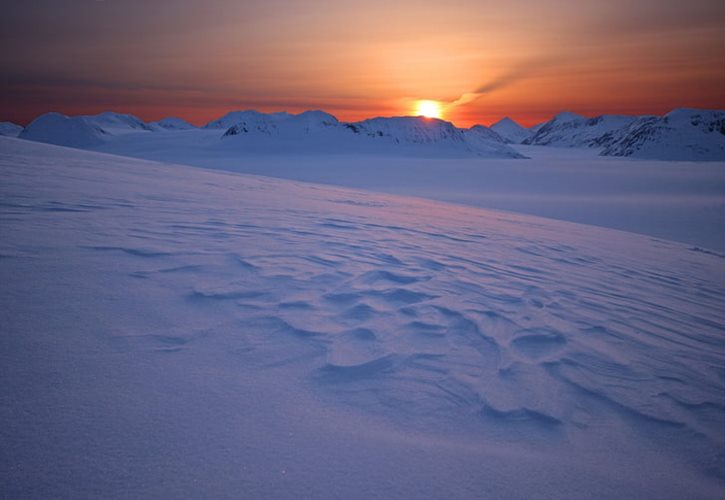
(178, 332)
(10, 129)
(511, 131)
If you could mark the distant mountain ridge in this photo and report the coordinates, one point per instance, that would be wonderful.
(309, 131)
(573, 130)
(320, 131)
(683, 134)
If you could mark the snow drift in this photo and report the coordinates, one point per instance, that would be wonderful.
(170, 331)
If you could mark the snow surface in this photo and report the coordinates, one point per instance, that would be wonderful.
(10, 129)
(681, 201)
(177, 332)
(511, 131)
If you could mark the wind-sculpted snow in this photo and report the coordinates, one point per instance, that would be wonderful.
(562, 360)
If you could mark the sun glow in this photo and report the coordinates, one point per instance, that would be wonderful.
(429, 109)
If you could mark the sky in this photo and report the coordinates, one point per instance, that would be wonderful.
(482, 60)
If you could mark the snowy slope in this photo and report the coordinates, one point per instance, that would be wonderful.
(488, 143)
(285, 127)
(680, 201)
(57, 128)
(683, 134)
(176, 332)
(439, 133)
(511, 131)
(82, 131)
(572, 130)
(536, 128)
(9, 129)
(171, 123)
(119, 123)
(413, 129)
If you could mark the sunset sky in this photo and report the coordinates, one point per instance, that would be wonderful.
(198, 59)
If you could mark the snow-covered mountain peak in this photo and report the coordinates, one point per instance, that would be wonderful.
(707, 121)
(57, 128)
(568, 116)
(322, 132)
(510, 130)
(249, 115)
(118, 123)
(572, 130)
(682, 134)
(10, 129)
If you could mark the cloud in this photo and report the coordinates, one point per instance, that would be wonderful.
(523, 71)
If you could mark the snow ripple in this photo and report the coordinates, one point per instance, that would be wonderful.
(529, 328)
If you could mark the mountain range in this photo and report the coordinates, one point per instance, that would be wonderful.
(683, 134)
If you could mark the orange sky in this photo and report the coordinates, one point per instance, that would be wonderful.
(199, 59)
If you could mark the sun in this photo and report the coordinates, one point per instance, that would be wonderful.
(429, 109)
